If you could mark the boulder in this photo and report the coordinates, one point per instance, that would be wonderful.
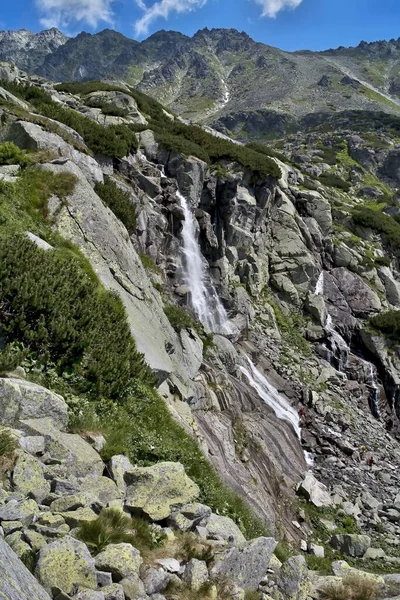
(222, 528)
(20, 400)
(16, 582)
(351, 544)
(314, 491)
(114, 591)
(155, 581)
(65, 564)
(77, 456)
(25, 511)
(101, 488)
(196, 574)
(247, 565)
(293, 580)
(359, 296)
(29, 136)
(29, 479)
(121, 560)
(117, 467)
(156, 489)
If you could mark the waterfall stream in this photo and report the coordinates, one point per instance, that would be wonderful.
(281, 407)
(203, 296)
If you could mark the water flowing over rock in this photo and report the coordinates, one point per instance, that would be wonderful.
(203, 295)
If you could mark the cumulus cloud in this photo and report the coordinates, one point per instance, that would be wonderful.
(61, 13)
(270, 8)
(163, 8)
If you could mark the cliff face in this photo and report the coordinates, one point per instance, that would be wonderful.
(297, 267)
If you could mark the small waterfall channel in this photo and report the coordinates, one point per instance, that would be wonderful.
(281, 407)
(340, 349)
(203, 296)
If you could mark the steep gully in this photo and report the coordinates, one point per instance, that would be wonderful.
(210, 311)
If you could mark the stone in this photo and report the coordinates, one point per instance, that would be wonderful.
(24, 511)
(314, 491)
(374, 554)
(155, 581)
(196, 574)
(16, 582)
(36, 540)
(34, 444)
(133, 588)
(29, 479)
(68, 503)
(316, 550)
(20, 400)
(77, 517)
(114, 591)
(351, 544)
(156, 489)
(117, 467)
(30, 136)
(223, 528)
(103, 578)
(89, 595)
(170, 564)
(247, 565)
(11, 526)
(65, 564)
(50, 520)
(121, 560)
(293, 580)
(78, 457)
(101, 488)
(359, 296)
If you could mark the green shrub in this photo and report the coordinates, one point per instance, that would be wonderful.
(51, 306)
(112, 526)
(174, 143)
(388, 322)
(322, 565)
(252, 595)
(149, 263)
(115, 141)
(8, 443)
(382, 261)
(179, 317)
(120, 203)
(113, 111)
(10, 154)
(382, 223)
(353, 586)
(333, 180)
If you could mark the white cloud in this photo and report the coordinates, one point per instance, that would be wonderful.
(270, 8)
(163, 8)
(61, 13)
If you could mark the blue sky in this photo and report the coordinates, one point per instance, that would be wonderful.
(287, 24)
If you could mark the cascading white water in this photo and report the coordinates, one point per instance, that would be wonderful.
(203, 296)
(281, 407)
(374, 397)
(319, 287)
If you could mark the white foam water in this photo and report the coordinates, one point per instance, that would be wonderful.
(281, 407)
(203, 296)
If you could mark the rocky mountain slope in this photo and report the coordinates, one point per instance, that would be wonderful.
(222, 76)
(228, 345)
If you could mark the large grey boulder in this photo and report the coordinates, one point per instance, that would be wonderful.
(20, 399)
(66, 564)
(314, 491)
(245, 565)
(16, 582)
(318, 207)
(155, 490)
(222, 528)
(121, 560)
(351, 544)
(117, 467)
(29, 136)
(293, 579)
(29, 478)
(103, 489)
(77, 457)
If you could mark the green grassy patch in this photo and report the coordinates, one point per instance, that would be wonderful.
(120, 203)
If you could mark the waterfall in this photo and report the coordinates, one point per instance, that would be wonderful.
(319, 287)
(375, 394)
(340, 349)
(281, 407)
(203, 296)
